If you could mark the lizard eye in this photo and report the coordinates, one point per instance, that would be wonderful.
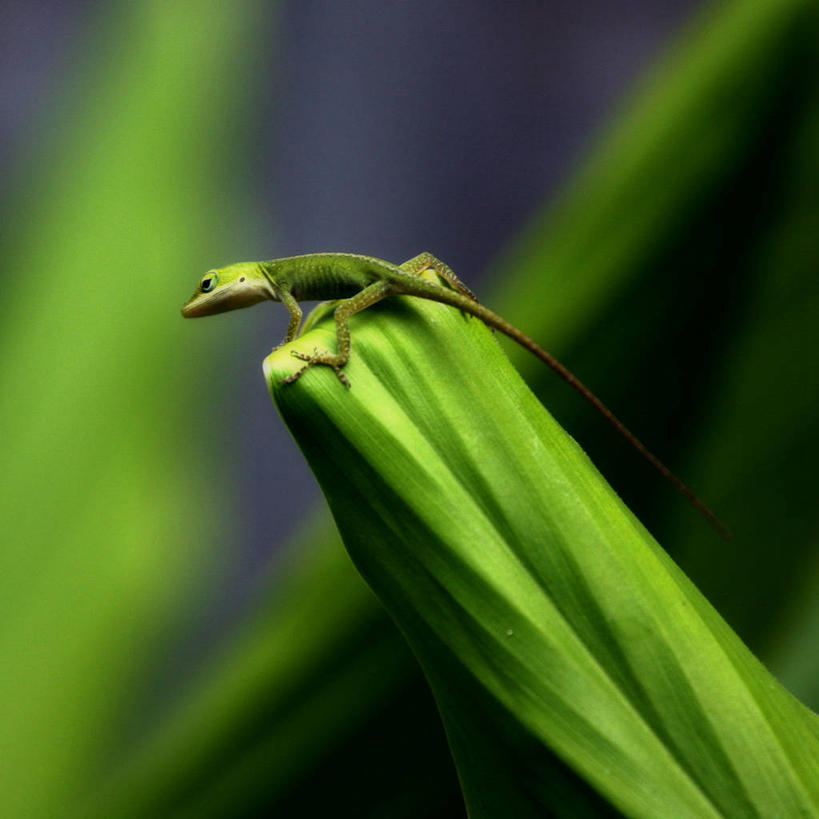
(208, 282)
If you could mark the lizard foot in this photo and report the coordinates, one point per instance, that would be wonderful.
(316, 358)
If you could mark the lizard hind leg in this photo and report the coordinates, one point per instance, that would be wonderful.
(426, 261)
(364, 298)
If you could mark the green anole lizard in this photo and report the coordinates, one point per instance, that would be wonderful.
(361, 281)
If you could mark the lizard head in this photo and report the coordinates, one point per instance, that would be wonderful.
(227, 288)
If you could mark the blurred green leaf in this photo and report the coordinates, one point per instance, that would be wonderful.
(759, 447)
(317, 659)
(104, 538)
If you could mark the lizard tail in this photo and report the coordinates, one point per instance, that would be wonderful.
(436, 292)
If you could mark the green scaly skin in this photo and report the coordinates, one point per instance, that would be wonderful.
(361, 281)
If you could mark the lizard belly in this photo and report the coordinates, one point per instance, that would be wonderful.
(329, 283)
(326, 291)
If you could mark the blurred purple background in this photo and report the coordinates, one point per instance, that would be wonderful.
(386, 129)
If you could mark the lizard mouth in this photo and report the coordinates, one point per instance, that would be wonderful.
(227, 297)
(209, 304)
(197, 306)
(206, 304)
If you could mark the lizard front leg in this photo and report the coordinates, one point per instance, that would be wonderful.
(286, 298)
(365, 298)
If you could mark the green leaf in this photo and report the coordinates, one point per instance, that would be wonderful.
(546, 618)
(102, 492)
